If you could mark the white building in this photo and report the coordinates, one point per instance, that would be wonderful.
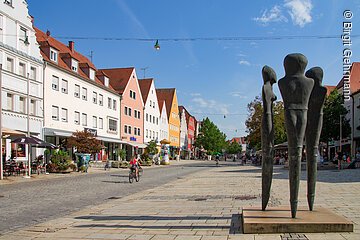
(164, 124)
(151, 111)
(183, 132)
(77, 97)
(22, 77)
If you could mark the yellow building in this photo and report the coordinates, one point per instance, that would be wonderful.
(169, 96)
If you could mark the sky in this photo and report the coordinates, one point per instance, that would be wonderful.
(211, 51)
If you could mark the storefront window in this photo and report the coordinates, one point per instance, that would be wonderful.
(18, 150)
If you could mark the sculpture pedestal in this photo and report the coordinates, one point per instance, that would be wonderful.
(278, 220)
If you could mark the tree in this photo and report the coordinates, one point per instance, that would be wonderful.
(333, 109)
(211, 138)
(253, 123)
(233, 148)
(85, 142)
(151, 148)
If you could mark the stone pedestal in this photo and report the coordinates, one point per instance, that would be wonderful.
(278, 220)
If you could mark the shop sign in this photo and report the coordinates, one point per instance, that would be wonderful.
(133, 139)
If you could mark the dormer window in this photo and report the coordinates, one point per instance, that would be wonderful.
(53, 55)
(106, 81)
(91, 74)
(8, 2)
(74, 65)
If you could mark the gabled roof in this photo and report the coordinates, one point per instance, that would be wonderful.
(329, 89)
(167, 95)
(119, 77)
(187, 114)
(239, 140)
(48, 41)
(145, 85)
(354, 78)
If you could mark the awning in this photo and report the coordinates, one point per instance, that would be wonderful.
(134, 144)
(57, 132)
(11, 132)
(107, 139)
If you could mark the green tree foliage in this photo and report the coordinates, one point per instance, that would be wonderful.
(85, 142)
(233, 148)
(151, 148)
(253, 123)
(333, 108)
(211, 138)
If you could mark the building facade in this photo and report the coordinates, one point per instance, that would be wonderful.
(125, 82)
(184, 152)
(168, 95)
(76, 99)
(164, 124)
(22, 78)
(151, 110)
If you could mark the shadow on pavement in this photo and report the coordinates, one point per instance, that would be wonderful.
(148, 218)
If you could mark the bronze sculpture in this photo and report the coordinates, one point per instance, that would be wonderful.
(313, 130)
(267, 132)
(295, 89)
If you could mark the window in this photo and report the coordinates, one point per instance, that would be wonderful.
(112, 125)
(109, 103)
(139, 115)
(22, 104)
(77, 118)
(114, 104)
(84, 93)
(55, 83)
(53, 55)
(74, 65)
(106, 81)
(64, 86)
(9, 101)
(157, 121)
(77, 91)
(153, 119)
(64, 115)
(135, 130)
(23, 35)
(138, 132)
(94, 122)
(125, 128)
(22, 69)
(147, 117)
(150, 103)
(101, 123)
(95, 97)
(55, 113)
(10, 64)
(132, 94)
(147, 133)
(32, 107)
(150, 118)
(130, 112)
(126, 110)
(8, 2)
(129, 129)
(32, 73)
(100, 99)
(84, 119)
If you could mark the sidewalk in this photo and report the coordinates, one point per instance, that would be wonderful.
(201, 206)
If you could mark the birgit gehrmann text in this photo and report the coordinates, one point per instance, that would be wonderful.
(347, 53)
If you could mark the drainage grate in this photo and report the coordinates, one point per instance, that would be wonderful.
(245, 197)
(294, 236)
(113, 198)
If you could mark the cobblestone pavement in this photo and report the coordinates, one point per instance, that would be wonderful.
(205, 205)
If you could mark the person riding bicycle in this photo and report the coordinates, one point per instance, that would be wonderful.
(135, 164)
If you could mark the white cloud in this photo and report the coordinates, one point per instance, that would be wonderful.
(244, 62)
(195, 94)
(210, 106)
(238, 95)
(272, 15)
(300, 11)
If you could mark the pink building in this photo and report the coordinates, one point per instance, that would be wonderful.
(125, 82)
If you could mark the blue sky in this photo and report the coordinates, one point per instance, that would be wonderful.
(214, 77)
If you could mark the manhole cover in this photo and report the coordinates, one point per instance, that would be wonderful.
(245, 197)
(113, 198)
(200, 199)
(293, 236)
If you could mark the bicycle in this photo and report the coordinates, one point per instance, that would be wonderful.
(133, 175)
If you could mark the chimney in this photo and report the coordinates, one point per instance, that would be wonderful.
(71, 46)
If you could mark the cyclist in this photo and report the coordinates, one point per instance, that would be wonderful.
(135, 164)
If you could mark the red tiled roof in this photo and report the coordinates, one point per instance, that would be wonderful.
(354, 78)
(64, 51)
(329, 89)
(239, 140)
(119, 77)
(167, 95)
(145, 85)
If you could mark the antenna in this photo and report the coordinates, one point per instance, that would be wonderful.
(144, 69)
(91, 56)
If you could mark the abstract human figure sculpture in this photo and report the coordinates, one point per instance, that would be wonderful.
(267, 132)
(313, 130)
(295, 89)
